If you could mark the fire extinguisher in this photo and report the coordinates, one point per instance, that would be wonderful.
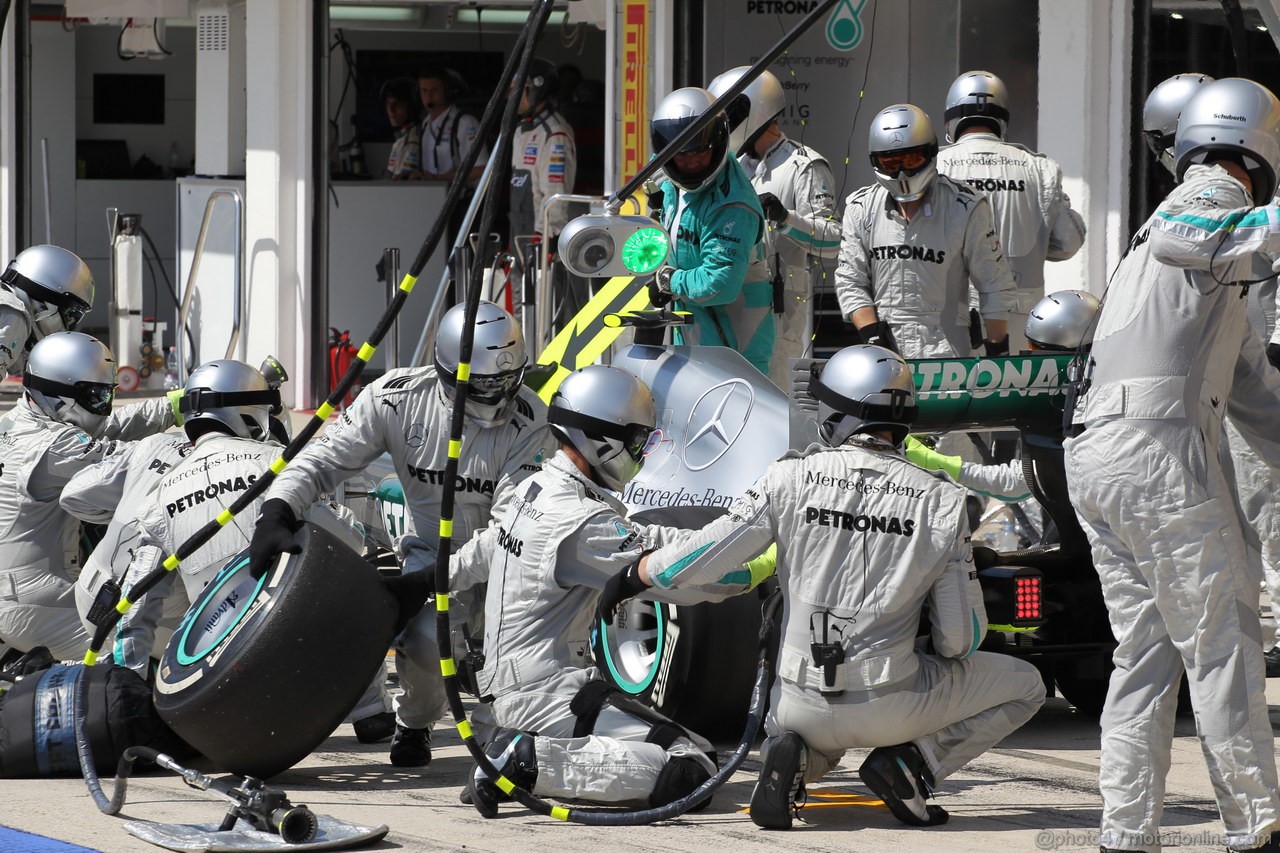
(341, 353)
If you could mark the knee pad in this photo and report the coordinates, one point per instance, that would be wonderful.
(680, 777)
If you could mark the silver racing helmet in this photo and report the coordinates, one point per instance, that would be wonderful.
(1063, 320)
(751, 113)
(607, 415)
(904, 151)
(1233, 119)
(677, 111)
(976, 96)
(1161, 110)
(863, 388)
(71, 377)
(230, 393)
(498, 361)
(56, 284)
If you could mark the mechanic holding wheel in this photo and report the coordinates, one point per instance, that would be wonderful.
(1173, 353)
(797, 193)
(64, 423)
(565, 732)
(717, 269)
(407, 413)
(912, 242)
(864, 540)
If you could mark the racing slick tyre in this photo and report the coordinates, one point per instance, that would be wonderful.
(258, 673)
(694, 664)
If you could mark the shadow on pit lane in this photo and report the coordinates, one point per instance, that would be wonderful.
(378, 774)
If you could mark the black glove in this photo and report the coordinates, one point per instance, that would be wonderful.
(273, 536)
(880, 334)
(774, 210)
(660, 287)
(975, 328)
(411, 592)
(655, 204)
(995, 349)
(1273, 355)
(623, 586)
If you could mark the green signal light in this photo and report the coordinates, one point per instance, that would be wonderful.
(645, 250)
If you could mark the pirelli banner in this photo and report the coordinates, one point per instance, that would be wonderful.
(634, 75)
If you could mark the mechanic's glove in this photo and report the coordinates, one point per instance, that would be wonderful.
(411, 591)
(929, 459)
(995, 349)
(655, 197)
(1273, 355)
(660, 287)
(975, 328)
(880, 334)
(774, 210)
(622, 587)
(273, 536)
(175, 404)
(763, 567)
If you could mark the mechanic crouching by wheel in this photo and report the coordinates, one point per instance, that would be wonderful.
(717, 269)
(567, 733)
(407, 413)
(864, 540)
(1173, 353)
(63, 424)
(44, 290)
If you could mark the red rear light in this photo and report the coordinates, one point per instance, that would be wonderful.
(1027, 598)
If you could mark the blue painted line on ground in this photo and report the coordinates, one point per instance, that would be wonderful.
(16, 841)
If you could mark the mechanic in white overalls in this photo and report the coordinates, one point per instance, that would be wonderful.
(864, 540)
(45, 289)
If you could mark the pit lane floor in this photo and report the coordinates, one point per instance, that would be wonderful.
(1036, 791)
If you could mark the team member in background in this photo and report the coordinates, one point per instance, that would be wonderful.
(911, 244)
(63, 424)
(400, 100)
(544, 161)
(716, 270)
(864, 540)
(797, 193)
(1172, 354)
(44, 290)
(1033, 215)
(407, 413)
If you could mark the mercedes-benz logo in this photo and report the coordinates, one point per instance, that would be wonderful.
(506, 360)
(716, 421)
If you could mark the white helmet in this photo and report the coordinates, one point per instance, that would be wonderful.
(607, 415)
(677, 111)
(863, 388)
(230, 393)
(1233, 119)
(1063, 320)
(71, 377)
(976, 96)
(904, 151)
(57, 285)
(498, 361)
(1160, 113)
(752, 111)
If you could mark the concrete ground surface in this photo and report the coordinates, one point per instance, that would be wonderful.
(1036, 791)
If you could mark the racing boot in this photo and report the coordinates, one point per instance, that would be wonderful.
(512, 754)
(411, 747)
(781, 782)
(376, 727)
(900, 776)
(1272, 657)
